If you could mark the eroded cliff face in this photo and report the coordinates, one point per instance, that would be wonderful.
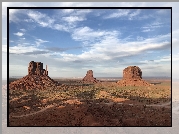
(36, 68)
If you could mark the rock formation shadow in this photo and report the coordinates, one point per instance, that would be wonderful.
(96, 112)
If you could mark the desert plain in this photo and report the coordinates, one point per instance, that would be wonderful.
(92, 104)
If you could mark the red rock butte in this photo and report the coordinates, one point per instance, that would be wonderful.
(37, 78)
(36, 68)
(132, 76)
(89, 77)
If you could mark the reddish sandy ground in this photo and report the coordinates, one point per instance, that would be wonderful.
(26, 109)
(76, 113)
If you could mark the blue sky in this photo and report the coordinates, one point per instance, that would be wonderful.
(72, 41)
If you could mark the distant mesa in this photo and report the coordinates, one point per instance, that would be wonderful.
(132, 76)
(89, 77)
(37, 78)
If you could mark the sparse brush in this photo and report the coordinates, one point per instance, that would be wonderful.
(144, 95)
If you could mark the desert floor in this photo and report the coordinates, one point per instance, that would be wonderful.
(102, 104)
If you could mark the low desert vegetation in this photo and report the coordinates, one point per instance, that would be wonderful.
(148, 95)
(82, 95)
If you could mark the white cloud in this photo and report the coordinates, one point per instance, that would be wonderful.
(73, 12)
(26, 43)
(54, 22)
(58, 24)
(40, 41)
(133, 14)
(72, 19)
(130, 14)
(12, 16)
(60, 27)
(23, 30)
(152, 26)
(111, 47)
(19, 34)
(140, 38)
(42, 19)
(158, 39)
(105, 39)
(36, 15)
(22, 49)
(29, 20)
(87, 34)
(82, 12)
(147, 30)
(162, 59)
(27, 48)
(120, 13)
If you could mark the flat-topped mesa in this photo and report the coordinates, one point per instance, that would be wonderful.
(89, 77)
(36, 68)
(132, 76)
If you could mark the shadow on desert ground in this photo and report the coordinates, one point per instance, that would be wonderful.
(102, 104)
(99, 130)
(88, 112)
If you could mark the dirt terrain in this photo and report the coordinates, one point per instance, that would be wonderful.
(98, 104)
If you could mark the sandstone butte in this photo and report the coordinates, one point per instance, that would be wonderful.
(89, 77)
(132, 76)
(37, 78)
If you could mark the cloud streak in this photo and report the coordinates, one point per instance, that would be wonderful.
(121, 13)
(40, 41)
(72, 19)
(58, 49)
(40, 18)
(86, 34)
(19, 34)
